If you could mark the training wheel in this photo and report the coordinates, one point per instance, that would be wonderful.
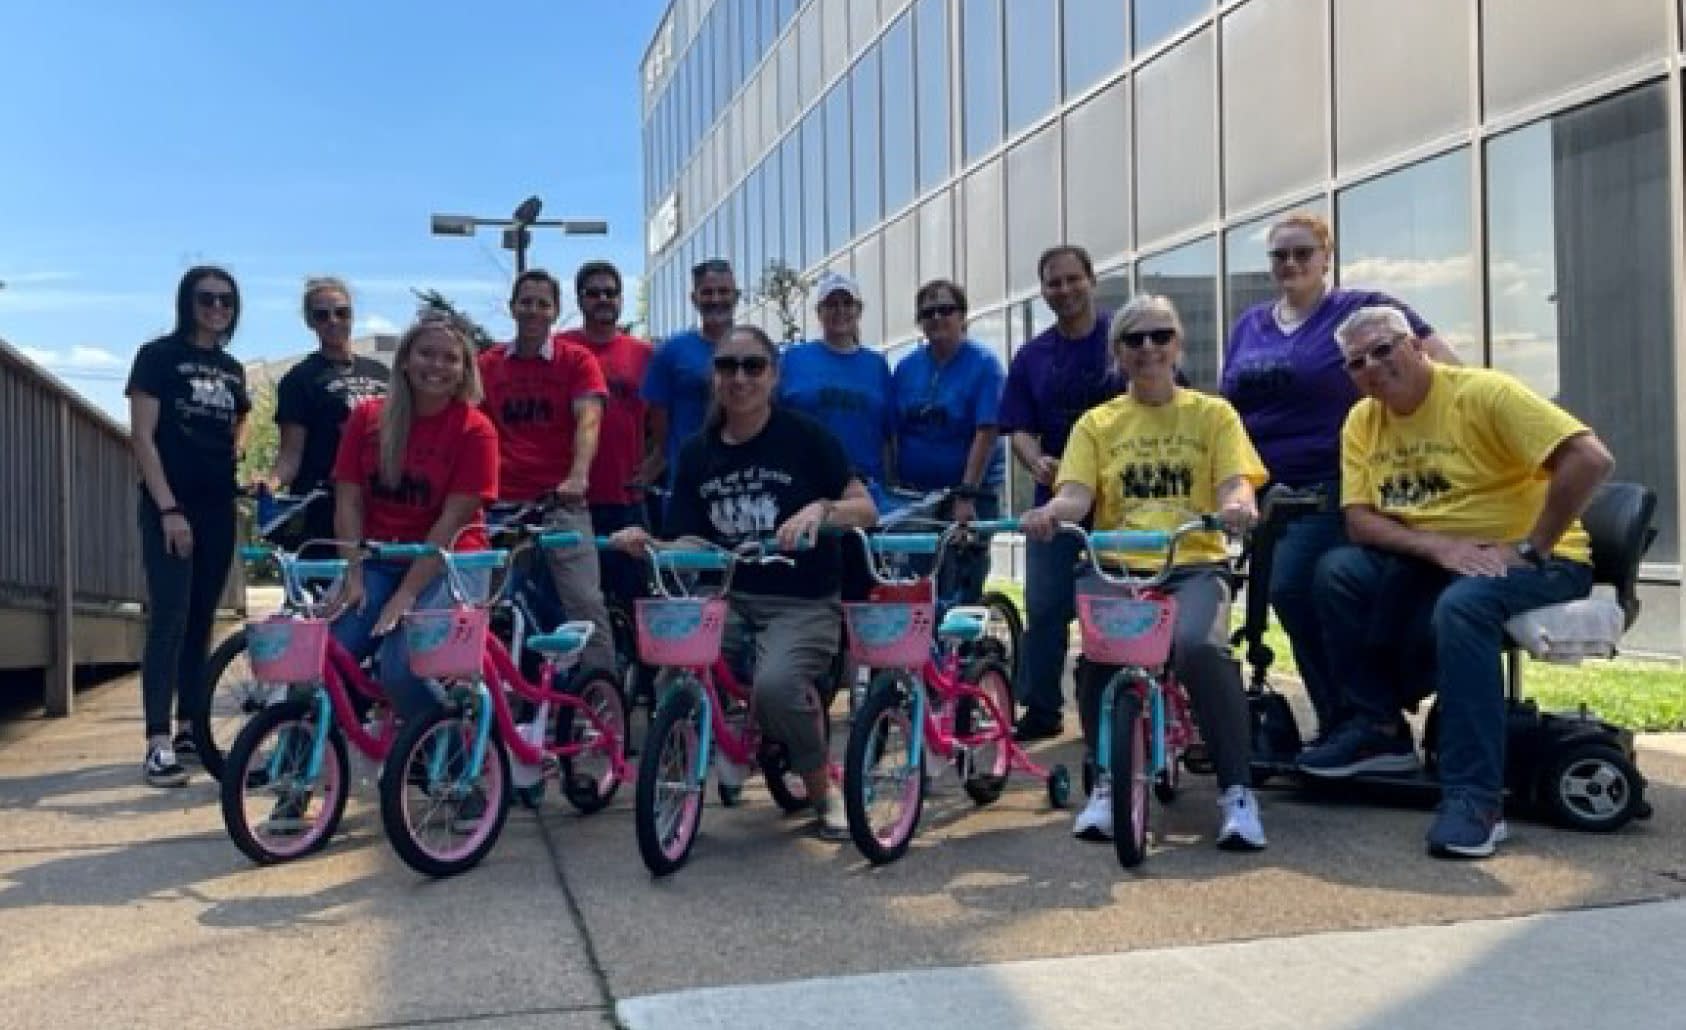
(1059, 786)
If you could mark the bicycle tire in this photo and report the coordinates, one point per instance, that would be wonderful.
(985, 785)
(251, 768)
(1129, 776)
(664, 853)
(887, 703)
(590, 793)
(401, 774)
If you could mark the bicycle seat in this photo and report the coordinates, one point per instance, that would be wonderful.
(965, 624)
(568, 639)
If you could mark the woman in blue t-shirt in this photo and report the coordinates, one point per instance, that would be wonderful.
(947, 403)
(1283, 372)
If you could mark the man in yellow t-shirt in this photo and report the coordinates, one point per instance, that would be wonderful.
(1462, 491)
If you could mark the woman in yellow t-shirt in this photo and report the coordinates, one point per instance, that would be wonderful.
(1150, 460)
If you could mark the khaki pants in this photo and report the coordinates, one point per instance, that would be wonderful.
(795, 641)
(575, 572)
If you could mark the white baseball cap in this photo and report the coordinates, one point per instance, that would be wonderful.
(834, 282)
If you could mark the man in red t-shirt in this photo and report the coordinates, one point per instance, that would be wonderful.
(545, 396)
(620, 451)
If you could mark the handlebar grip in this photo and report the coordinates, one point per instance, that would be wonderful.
(402, 552)
(560, 538)
(695, 560)
(905, 543)
(256, 552)
(319, 568)
(1130, 540)
(995, 525)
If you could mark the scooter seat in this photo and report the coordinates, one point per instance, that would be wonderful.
(1565, 633)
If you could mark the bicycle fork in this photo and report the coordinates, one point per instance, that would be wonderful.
(439, 757)
(1155, 702)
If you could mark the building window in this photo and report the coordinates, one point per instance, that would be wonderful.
(1189, 276)
(1580, 292)
(980, 76)
(1097, 41)
(1176, 140)
(1032, 61)
(813, 189)
(837, 168)
(900, 143)
(863, 103)
(790, 84)
(1033, 205)
(931, 38)
(1407, 234)
(790, 159)
(1159, 20)
(1097, 172)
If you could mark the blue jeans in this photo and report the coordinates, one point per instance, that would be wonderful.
(1369, 628)
(1050, 578)
(408, 694)
(961, 580)
(1293, 572)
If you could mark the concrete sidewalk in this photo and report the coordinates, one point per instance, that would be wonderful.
(121, 905)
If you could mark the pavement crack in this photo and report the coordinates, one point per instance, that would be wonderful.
(594, 961)
(478, 1017)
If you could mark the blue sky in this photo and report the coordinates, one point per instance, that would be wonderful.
(293, 139)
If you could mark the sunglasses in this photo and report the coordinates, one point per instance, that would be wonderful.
(600, 293)
(214, 299)
(752, 365)
(1377, 354)
(1135, 341)
(938, 311)
(322, 316)
(1300, 254)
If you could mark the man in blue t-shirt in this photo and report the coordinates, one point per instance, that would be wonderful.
(1054, 379)
(680, 374)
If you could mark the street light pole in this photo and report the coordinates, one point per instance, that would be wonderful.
(516, 228)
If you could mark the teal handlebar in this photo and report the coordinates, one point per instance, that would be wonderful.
(560, 538)
(256, 552)
(695, 560)
(1130, 540)
(906, 543)
(402, 552)
(319, 568)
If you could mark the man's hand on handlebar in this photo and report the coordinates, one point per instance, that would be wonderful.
(1238, 516)
(1039, 524)
(571, 491)
(633, 540)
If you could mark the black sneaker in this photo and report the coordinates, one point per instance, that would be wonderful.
(184, 747)
(161, 768)
(1037, 725)
(286, 819)
(1358, 747)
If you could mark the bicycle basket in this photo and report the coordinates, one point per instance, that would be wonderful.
(1123, 630)
(890, 636)
(446, 643)
(287, 650)
(680, 632)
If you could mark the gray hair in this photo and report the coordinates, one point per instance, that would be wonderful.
(1142, 309)
(1385, 316)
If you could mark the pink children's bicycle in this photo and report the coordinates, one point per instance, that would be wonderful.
(706, 709)
(926, 697)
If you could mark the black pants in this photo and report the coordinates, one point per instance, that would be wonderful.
(181, 604)
(623, 577)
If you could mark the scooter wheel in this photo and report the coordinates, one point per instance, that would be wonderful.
(1591, 787)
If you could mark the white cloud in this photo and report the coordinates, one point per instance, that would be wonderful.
(23, 298)
(376, 324)
(80, 357)
(1405, 274)
(15, 279)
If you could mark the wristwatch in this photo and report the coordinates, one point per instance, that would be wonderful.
(1529, 553)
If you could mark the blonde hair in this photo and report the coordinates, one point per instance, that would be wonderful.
(1142, 308)
(398, 410)
(1311, 222)
(322, 284)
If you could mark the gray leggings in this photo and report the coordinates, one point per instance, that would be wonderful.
(795, 641)
(1201, 658)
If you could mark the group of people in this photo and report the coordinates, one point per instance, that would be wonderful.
(1451, 494)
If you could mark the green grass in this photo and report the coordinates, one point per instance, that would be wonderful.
(1648, 696)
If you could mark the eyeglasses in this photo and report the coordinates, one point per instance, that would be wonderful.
(751, 365)
(1300, 254)
(600, 292)
(938, 311)
(322, 316)
(1377, 354)
(214, 299)
(1136, 340)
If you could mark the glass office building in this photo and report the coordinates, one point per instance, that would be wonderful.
(1510, 168)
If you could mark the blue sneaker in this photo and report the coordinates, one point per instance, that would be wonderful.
(1358, 747)
(1464, 829)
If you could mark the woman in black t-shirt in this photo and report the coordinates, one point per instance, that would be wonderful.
(314, 398)
(187, 420)
(757, 471)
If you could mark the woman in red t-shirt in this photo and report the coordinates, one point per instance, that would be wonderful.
(416, 466)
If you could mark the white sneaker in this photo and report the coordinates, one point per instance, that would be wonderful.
(1240, 829)
(1095, 821)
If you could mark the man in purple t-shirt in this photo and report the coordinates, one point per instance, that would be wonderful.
(1053, 380)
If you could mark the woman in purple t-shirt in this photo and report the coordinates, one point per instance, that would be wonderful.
(1283, 372)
